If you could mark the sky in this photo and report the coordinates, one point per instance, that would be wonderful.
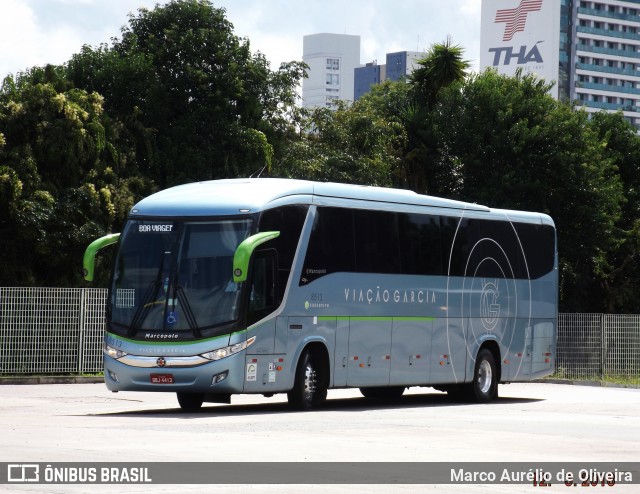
(38, 32)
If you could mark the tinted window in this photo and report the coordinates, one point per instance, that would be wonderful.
(288, 220)
(331, 246)
(376, 241)
(361, 241)
(487, 248)
(420, 244)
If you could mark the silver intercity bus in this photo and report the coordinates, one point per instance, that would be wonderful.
(286, 286)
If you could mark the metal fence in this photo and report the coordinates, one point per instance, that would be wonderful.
(59, 331)
(51, 330)
(597, 345)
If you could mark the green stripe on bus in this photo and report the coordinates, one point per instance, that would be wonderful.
(376, 318)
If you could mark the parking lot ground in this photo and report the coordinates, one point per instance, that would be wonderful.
(531, 422)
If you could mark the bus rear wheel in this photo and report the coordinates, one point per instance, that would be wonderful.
(484, 387)
(309, 388)
(190, 402)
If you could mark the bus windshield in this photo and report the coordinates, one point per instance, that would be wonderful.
(176, 276)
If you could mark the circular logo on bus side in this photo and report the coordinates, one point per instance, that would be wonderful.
(490, 304)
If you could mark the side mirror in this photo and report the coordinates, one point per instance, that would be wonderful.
(243, 254)
(89, 259)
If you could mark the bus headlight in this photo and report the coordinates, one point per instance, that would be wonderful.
(220, 353)
(113, 352)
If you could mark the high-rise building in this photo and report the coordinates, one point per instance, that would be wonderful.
(398, 65)
(367, 76)
(589, 48)
(332, 59)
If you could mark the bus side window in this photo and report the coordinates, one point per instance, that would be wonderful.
(263, 292)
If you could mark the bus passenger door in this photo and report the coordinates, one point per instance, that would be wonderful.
(368, 362)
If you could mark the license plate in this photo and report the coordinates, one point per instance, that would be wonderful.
(162, 379)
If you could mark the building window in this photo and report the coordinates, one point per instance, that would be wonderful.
(333, 79)
(333, 64)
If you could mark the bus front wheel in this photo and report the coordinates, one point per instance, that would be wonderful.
(309, 388)
(190, 402)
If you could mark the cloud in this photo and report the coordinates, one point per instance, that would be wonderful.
(37, 32)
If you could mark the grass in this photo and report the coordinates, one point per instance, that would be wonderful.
(619, 379)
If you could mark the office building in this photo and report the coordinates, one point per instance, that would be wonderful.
(589, 48)
(398, 65)
(332, 59)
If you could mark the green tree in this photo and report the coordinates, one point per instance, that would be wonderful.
(516, 147)
(196, 102)
(348, 144)
(620, 274)
(52, 156)
(442, 65)
(421, 170)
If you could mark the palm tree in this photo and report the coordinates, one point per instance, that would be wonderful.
(421, 168)
(441, 66)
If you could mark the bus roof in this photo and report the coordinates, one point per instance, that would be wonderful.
(232, 196)
(237, 196)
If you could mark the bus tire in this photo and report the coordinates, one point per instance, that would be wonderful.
(190, 402)
(386, 393)
(309, 388)
(484, 386)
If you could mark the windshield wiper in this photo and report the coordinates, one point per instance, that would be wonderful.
(142, 311)
(188, 312)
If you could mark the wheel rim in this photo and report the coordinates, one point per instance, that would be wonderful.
(310, 383)
(485, 377)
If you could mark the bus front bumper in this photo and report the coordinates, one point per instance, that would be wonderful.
(175, 374)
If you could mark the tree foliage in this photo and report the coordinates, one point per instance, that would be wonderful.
(195, 101)
(55, 178)
(179, 97)
(516, 147)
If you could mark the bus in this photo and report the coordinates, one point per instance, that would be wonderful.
(272, 286)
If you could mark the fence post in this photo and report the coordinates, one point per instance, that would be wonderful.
(602, 345)
(81, 324)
